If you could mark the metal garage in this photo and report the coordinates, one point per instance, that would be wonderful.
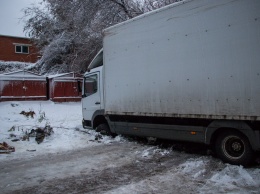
(65, 87)
(22, 85)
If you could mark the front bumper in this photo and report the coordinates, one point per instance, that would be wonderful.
(86, 124)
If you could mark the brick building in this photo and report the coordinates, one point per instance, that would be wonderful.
(17, 49)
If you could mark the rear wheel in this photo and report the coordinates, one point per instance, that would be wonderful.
(234, 148)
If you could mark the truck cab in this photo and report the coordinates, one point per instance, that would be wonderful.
(93, 96)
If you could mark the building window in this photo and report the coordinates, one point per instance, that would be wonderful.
(22, 49)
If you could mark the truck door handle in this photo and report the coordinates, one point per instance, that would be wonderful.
(97, 103)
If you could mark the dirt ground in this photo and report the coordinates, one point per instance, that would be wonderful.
(128, 167)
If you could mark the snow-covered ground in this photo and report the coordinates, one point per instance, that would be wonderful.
(77, 160)
(64, 118)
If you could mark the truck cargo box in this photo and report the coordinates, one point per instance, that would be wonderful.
(192, 59)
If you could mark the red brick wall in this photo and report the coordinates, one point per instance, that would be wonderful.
(7, 49)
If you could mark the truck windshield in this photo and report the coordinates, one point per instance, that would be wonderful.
(90, 85)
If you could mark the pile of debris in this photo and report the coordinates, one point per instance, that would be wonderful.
(5, 148)
(39, 134)
(27, 114)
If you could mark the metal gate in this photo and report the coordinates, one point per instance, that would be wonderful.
(22, 85)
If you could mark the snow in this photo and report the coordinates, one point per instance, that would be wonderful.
(22, 73)
(194, 168)
(184, 173)
(13, 66)
(65, 118)
(232, 178)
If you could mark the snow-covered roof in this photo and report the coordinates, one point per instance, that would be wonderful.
(10, 36)
(21, 73)
(66, 75)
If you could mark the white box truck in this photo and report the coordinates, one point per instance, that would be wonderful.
(189, 71)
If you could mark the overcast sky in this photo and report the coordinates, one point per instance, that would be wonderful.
(10, 14)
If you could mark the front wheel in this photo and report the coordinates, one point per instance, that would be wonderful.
(104, 129)
(234, 148)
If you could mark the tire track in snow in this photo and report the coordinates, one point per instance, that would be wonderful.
(100, 169)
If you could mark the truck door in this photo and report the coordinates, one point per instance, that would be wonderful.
(91, 99)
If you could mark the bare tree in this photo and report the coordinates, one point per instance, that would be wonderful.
(64, 33)
(69, 32)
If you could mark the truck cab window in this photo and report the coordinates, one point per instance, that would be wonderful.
(90, 85)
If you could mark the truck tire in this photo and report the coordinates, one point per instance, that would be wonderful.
(104, 129)
(234, 148)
